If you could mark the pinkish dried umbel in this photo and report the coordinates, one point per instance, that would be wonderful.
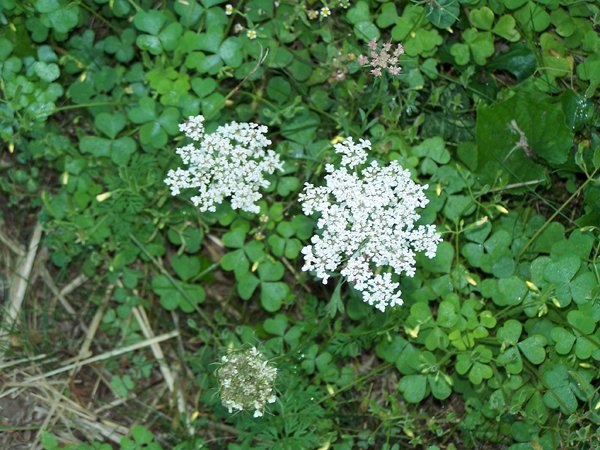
(382, 58)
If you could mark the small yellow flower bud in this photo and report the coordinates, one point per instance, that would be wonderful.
(481, 221)
(531, 286)
(471, 280)
(103, 196)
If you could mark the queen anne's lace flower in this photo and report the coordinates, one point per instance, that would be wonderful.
(382, 58)
(367, 224)
(246, 381)
(227, 163)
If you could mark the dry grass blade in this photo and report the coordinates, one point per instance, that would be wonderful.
(19, 287)
(14, 246)
(142, 318)
(103, 356)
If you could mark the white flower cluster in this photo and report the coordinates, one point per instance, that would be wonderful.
(231, 162)
(246, 380)
(367, 225)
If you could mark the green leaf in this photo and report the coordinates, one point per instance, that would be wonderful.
(480, 43)
(64, 19)
(514, 4)
(589, 69)
(46, 6)
(6, 48)
(111, 124)
(564, 340)
(301, 128)
(235, 260)
(461, 53)
(511, 291)
(153, 135)
(203, 86)
(255, 250)
(358, 13)
(169, 37)
(186, 267)
(413, 387)
(246, 285)
(335, 304)
(122, 385)
(579, 244)
(209, 3)
(387, 16)
(211, 40)
(510, 332)
(151, 21)
(121, 150)
(144, 112)
(581, 321)
(458, 206)
(236, 237)
(582, 287)
(390, 347)
(287, 185)
(141, 435)
(366, 31)
(533, 348)
(292, 248)
(519, 60)
(46, 72)
(433, 148)
(479, 372)
(96, 146)
(173, 294)
(230, 52)
(439, 386)
(213, 104)
(447, 315)
(277, 245)
(511, 360)
(562, 270)
(272, 295)
(533, 17)
(482, 18)
(149, 43)
(579, 110)
(442, 262)
(505, 28)
(276, 325)
(442, 13)
(271, 270)
(560, 394)
(502, 147)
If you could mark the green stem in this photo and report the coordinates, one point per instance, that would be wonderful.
(84, 105)
(375, 371)
(556, 213)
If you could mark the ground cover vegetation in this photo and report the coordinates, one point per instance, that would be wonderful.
(403, 252)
